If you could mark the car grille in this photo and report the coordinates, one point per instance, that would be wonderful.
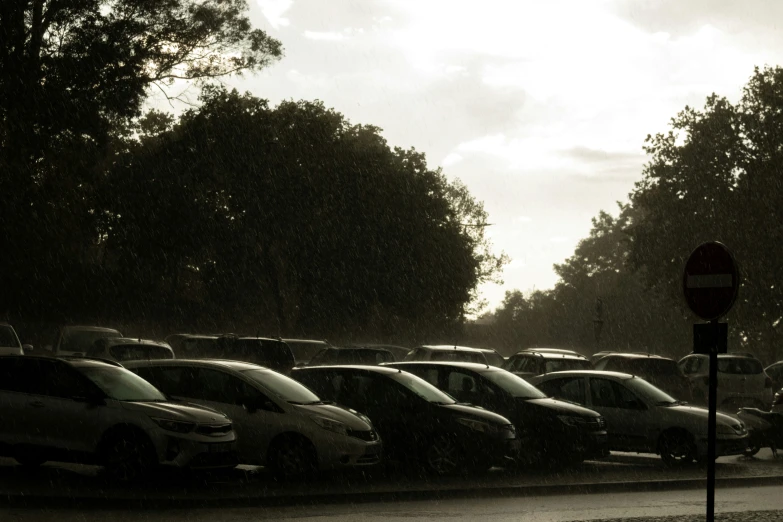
(596, 424)
(213, 430)
(365, 435)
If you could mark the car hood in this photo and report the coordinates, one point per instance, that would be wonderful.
(701, 413)
(478, 413)
(338, 413)
(562, 407)
(177, 411)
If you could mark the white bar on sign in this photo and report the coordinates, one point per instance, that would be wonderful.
(709, 281)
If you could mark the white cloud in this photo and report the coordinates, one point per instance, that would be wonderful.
(559, 239)
(274, 10)
(451, 159)
(523, 219)
(325, 35)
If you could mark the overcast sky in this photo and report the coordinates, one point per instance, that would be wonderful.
(540, 107)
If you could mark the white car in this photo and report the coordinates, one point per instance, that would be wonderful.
(280, 423)
(97, 412)
(642, 418)
(742, 381)
(9, 341)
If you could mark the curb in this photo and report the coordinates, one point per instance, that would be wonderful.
(18, 500)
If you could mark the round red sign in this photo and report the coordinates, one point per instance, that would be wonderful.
(711, 281)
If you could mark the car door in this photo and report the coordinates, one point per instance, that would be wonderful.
(627, 417)
(62, 412)
(14, 399)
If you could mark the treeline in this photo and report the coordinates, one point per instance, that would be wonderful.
(236, 215)
(716, 174)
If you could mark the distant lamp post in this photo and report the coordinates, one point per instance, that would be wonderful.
(598, 322)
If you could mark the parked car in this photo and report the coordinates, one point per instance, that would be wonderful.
(777, 402)
(419, 424)
(350, 356)
(76, 340)
(446, 353)
(775, 372)
(123, 349)
(279, 422)
(643, 418)
(741, 381)
(193, 346)
(399, 352)
(304, 349)
(549, 430)
(9, 341)
(264, 351)
(658, 371)
(493, 357)
(97, 412)
(598, 355)
(532, 362)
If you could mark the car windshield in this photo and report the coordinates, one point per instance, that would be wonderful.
(121, 384)
(283, 387)
(513, 384)
(422, 388)
(82, 340)
(8, 338)
(494, 358)
(649, 392)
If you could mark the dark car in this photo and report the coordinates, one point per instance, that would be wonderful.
(351, 356)
(659, 371)
(399, 352)
(271, 353)
(532, 362)
(446, 352)
(417, 422)
(549, 430)
(305, 349)
(123, 349)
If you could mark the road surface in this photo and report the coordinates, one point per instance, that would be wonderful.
(757, 504)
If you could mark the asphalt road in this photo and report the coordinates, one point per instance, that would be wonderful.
(764, 503)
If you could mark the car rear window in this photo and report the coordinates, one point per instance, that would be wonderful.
(135, 352)
(739, 366)
(563, 365)
(654, 367)
(458, 356)
(7, 337)
(495, 359)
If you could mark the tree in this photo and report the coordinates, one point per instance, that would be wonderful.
(73, 77)
(293, 220)
(716, 176)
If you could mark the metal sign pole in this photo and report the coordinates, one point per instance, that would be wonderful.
(711, 428)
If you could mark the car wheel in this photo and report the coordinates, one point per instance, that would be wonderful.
(442, 456)
(677, 448)
(128, 455)
(292, 457)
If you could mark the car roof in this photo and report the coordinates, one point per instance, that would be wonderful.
(89, 328)
(383, 370)
(741, 355)
(309, 341)
(193, 336)
(632, 355)
(450, 347)
(585, 373)
(129, 341)
(355, 349)
(222, 363)
(476, 367)
(551, 355)
(549, 350)
(254, 338)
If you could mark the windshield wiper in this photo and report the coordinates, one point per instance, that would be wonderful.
(668, 403)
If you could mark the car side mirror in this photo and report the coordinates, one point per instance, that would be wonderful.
(253, 405)
(27, 349)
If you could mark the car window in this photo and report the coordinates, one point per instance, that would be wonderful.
(431, 375)
(739, 366)
(570, 389)
(513, 384)
(122, 385)
(279, 385)
(494, 359)
(82, 340)
(61, 380)
(457, 356)
(526, 364)
(177, 380)
(611, 394)
(562, 365)
(8, 337)
(460, 383)
(135, 352)
(218, 386)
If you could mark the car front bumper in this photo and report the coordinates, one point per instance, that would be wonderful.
(724, 446)
(342, 451)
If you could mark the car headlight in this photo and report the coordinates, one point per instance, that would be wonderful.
(571, 420)
(175, 426)
(731, 429)
(331, 425)
(477, 425)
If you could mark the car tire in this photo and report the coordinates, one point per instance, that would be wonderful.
(292, 457)
(677, 448)
(442, 456)
(128, 455)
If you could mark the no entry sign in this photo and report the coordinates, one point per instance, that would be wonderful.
(711, 281)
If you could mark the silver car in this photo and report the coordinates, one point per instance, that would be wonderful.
(97, 412)
(642, 418)
(280, 423)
